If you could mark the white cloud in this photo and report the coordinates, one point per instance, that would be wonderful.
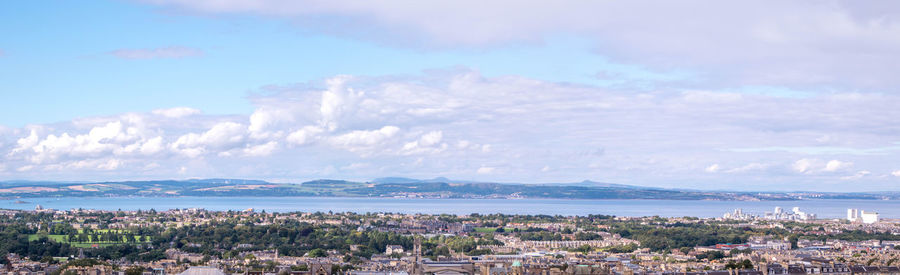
(177, 112)
(645, 137)
(111, 164)
(835, 165)
(261, 150)
(896, 173)
(758, 42)
(463, 144)
(152, 146)
(356, 166)
(363, 140)
(111, 137)
(305, 135)
(811, 166)
(712, 168)
(157, 53)
(151, 166)
(485, 170)
(428, 143)
(749, 167)
(26, 143)
(224, 135)
(803, 165)
(265, 118)
(858, 175)
(333, 102)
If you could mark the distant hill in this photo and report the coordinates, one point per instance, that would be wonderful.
(409, 180)
(585, 183)
(394, 187)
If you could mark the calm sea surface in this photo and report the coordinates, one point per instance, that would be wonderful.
(667, 208)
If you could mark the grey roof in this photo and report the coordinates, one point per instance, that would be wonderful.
(202, 270)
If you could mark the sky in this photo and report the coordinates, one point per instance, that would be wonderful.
(736, 95)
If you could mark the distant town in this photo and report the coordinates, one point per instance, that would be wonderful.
(437, 188)
(201, 242)
(853, 215)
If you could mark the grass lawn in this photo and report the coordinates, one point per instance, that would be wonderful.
(65, 239)
(491, 229)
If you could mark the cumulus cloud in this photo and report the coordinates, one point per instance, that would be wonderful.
(264, 119)
(224, 135)
(525, 124)
(803, 165)
(485, 170)
(334, 100)
(305, 135)
(111, 164)
(262, 149)
(812, 165)
(364, 140)
(109, 138)
(152, 146)
(177, 112)
(428, 143)
(173, 52)
(835, 165)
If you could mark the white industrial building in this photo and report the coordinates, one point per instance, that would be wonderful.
(856, 215)
(852, 214)
(868, 217)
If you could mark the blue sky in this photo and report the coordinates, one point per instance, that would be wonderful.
(753, 95)
(62, 53)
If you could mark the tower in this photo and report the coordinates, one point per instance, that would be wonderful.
(852, 214)
(416, 268)
(417, 249)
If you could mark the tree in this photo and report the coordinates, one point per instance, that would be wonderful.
(587, 236)
(317, 253)
(747, 264)
(585, 249)
(793, 239)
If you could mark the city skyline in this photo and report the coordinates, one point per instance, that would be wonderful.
(761, 95)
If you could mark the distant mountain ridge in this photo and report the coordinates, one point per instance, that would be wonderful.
(396, 187)
(585, 183)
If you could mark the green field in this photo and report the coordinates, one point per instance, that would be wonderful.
(491, 229)
(65, 239)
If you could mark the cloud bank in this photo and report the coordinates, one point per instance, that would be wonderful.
(460, 124)
(801, 44)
